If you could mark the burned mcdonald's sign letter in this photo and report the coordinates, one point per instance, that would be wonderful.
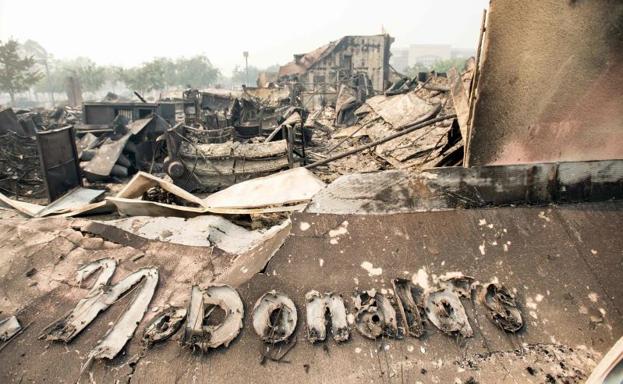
(215, 313)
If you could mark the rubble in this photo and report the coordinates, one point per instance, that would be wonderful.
(211, 167)
(21, 172)
(59, 161)
(227, 137)
(335, 176)
(334, 61)
(383, 116)
(130, 147)
(130, 202)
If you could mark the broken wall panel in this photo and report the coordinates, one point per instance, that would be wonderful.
(200, 231)
(294, 186)
(76, 201)
(458, 187)
(129, 201)
(550, 83)
(59, 161)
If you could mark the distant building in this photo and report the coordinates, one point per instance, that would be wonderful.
(428, 54)
(265, 78)
(339, 60)
(463, 52)
(400, 59)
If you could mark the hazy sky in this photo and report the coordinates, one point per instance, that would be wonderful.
(130, 32)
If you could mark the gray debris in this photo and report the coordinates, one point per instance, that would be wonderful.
(318, 306)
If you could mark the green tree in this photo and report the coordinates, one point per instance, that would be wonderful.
(34, 49)
(154, 75)
(445, 65)
(54, 80)
(113, 74)
(133, 78)
(43, 61)
(439, 66)
(413, 70)
(91, 75)
(17, 74)
(196, 72)
(239, 76)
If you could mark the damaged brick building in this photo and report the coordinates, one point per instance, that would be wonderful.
(337, 61)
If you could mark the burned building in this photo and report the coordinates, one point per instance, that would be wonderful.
(457, 228)
(337, 61)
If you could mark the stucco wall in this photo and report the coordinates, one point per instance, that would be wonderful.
(551, 85)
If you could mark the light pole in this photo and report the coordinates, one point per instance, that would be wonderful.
(246, 65)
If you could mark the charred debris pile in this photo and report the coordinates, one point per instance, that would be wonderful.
(204, 141)
(197, 191)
